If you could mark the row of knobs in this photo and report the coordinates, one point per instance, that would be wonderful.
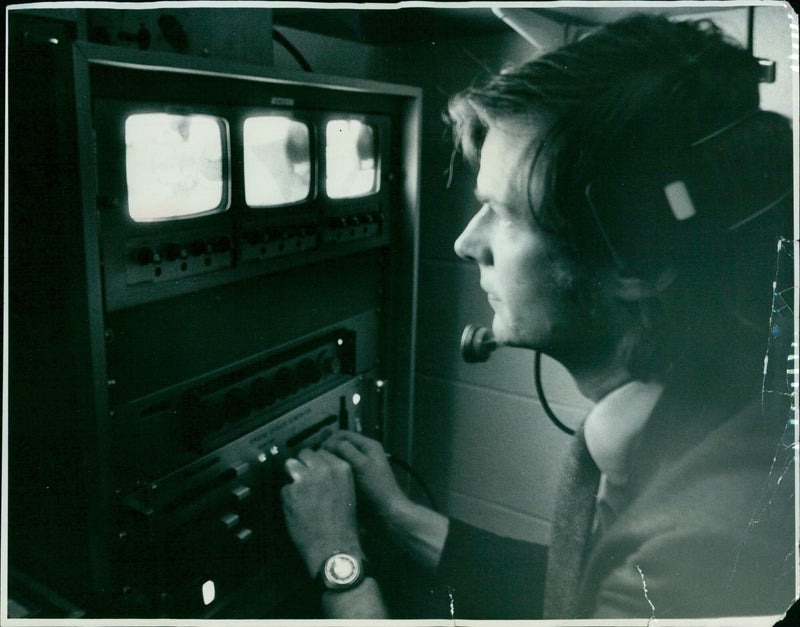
(375, 217)
(257, 235)
(238, 402)
(172, 251)
(146, 255)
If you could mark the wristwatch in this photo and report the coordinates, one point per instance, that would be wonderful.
(341, 572)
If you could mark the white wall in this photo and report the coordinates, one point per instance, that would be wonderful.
(772, 40)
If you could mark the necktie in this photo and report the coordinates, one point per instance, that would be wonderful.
(610, 502)
(572, 529)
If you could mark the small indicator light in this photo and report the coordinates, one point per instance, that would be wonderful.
(209, 592)
(356, 399)
(340, 341)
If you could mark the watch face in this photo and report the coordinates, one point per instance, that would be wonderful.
(341, 570)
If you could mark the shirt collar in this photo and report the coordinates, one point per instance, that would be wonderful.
(613, 424)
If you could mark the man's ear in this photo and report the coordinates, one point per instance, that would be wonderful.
(632, 288)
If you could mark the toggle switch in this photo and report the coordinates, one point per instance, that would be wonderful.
(240, 493)
(235, 471)
(244, 535)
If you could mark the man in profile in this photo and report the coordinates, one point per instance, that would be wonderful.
(632, 197)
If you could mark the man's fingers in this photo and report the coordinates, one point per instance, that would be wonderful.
(308, 457)
(295, 468)
(363, 444)
(346, 450)
(350, 453)
(309, 461)
(332, 460)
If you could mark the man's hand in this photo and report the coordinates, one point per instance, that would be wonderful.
(371, 469)
(320, 507)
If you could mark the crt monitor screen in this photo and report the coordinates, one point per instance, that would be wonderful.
(277, 161)
(351, 159)
(175, 165)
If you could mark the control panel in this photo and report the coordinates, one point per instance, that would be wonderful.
(364, 224)
(229, 257)
(199, 416)
(266, 242)
(191, 536)
(162, 258)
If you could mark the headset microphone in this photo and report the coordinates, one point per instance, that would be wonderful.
(477, 344)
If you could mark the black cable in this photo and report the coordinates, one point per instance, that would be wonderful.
(537, 377)
(416, 476)
(289, 46)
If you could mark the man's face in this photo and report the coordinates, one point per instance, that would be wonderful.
(528, 281)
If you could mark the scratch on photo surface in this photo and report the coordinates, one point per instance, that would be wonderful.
(450, 594)
(652, 621)
(780, 368)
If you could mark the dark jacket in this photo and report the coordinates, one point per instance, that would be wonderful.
(708, 529)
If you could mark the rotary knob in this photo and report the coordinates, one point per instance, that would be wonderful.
(286, 382)
(171, 251)
(145, 255)
(308, 372)
(236, 404)
(262, 392)
(329, 363)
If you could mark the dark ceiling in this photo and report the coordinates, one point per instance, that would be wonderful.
(388, 26)
(379, 26)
